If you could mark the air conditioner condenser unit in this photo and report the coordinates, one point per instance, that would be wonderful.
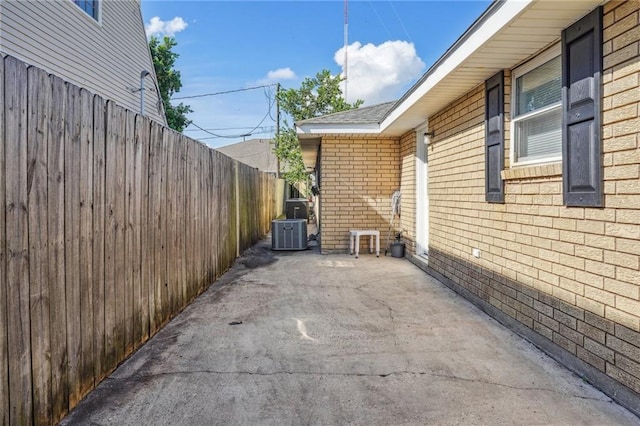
(289, 234)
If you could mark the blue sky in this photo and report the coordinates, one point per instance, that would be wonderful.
(235, 45)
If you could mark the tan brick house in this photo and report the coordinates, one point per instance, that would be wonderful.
(518, 158)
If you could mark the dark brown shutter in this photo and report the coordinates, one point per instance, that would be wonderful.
(494, 138)
(581, 122)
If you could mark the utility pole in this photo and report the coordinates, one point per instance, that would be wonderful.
(277, 128)
(346, 46)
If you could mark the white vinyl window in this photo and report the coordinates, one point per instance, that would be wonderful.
(536, 114)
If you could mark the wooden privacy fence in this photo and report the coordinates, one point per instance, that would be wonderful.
(109, 225)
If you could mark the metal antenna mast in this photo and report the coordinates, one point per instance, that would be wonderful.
(346, 44)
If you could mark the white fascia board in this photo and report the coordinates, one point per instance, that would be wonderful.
(326, 129)
(509, 10)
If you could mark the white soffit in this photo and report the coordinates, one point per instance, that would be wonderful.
(336, 128)
(517, 30)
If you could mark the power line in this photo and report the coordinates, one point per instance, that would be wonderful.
(223, 128)
(380, 19)
(400, 20)
(264, 132)
(237, 136)
(224, 92)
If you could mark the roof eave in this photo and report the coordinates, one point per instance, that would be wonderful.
(493, 20)
(327, 129)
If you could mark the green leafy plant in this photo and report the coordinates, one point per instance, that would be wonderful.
(316, 96)
(169, 81)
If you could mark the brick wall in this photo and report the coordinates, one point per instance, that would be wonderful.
(358, 178)
(571, 275)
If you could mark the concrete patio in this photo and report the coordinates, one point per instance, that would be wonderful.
(301, 338)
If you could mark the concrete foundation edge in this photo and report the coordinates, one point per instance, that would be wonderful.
(613, 389)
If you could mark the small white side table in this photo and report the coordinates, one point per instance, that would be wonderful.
(354, 239)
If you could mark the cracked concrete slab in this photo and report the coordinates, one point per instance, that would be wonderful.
(300, 338)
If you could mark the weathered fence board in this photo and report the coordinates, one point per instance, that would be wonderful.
(86, 242)
(55, 228)
(16, 239)
(161, 261)
(140, 294)
(156, 228)
(112, 224)
(72, 240)
(172, 168)
(119, 201)
(129, 232)
(112, 233)
(39, 95)
(98, 249)
(4, 362)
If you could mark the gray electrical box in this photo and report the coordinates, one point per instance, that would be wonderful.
(289, 234)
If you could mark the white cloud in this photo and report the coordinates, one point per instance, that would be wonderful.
(157, 26)
(281, 74)
(276, 76)
(377, 73)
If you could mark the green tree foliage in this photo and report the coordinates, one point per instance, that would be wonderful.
(316, 96)
(169, 81)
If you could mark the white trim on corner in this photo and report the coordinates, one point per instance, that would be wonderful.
(489, 28)
(422, 191)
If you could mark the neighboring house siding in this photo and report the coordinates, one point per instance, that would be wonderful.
(408, 189)
(105, 56)
(571, 274)
(358, 178)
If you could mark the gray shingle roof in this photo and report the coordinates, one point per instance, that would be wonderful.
(256, 153)
(371, 114)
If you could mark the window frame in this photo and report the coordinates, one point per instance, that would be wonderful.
(98, 10)
(542, 58)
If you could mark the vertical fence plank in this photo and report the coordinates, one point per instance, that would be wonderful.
(179, 286)
(171, 226)
(211, 237)
(181, 190)
(198, 284)
(119, 203)
(111, 229)
(86, 242)
(114, 239)
(203, 219)
(215, 211)
(229, 213)
(155, 142)
(202, 234)
(98, 249)
(191, 217)
(226, 189)
(166, 218)
(39, 95)
(4, 361)
(141, 296)
(72, 240)
(135, 201)
(130, 244)
(18, 321)
(56, 239)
